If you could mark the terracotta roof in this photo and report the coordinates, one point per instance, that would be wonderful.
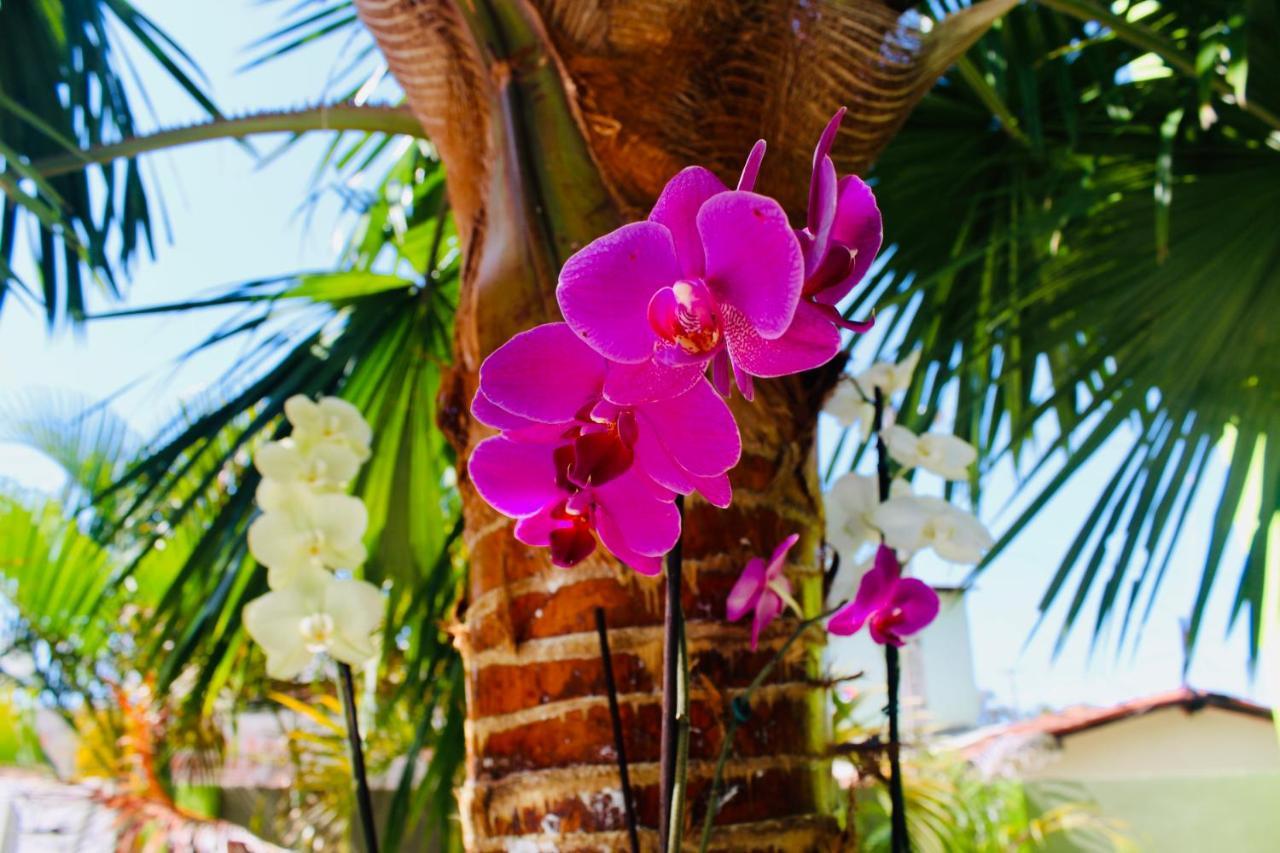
(1081, 718)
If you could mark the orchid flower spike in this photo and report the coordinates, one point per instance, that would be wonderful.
(305, 532)
(945, 455)
(849, 407)
(320, 615)
(851, 505)
(331, 420)
(322, 467)
(890, 378)
(891, 606)
(713, 277)
(913, 523)
(841, 237)
(762, 589)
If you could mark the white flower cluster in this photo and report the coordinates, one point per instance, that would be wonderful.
(908, 522)
(308, 529)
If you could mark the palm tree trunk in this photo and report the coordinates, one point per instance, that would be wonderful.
(558, 120)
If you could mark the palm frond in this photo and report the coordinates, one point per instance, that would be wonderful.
(61, 88)
(1098, 267)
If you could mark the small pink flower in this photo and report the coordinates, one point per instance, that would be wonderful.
(890, 605)
(762, 588)
(712, 277)
(841, 238)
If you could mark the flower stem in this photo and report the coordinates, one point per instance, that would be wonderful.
(675, 700)
(364, 801)
(740, 709)
(619, 744)
(899, 840)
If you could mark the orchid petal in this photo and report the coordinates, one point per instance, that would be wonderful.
(606, 286)
(810, 342)
(857, 226)
(677, 209)
(635, 512)
(751, 169)
(546, 374)
(697, 429)
(648, 381)
(753, 259)
(769, 608)
(515, 479)
(746, 591)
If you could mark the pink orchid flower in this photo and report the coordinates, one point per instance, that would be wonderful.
(712, 277)
(545, 386)
(762, 588)
(892, 607)
(634, 518)
(841, 238)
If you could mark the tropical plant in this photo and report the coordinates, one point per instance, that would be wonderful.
(1042, 272)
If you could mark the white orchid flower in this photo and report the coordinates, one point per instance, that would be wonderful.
(307, 531)
(329, 420)
(945, 455)
(847, 405)
(321, 615)
(888, 377)
(913, 523)
(850, 505)
(322, 467)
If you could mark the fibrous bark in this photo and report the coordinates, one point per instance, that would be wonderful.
(557, 120)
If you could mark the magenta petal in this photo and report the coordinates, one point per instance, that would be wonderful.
(751, 169)
(649, 381)
(697, 429)
(744, 383)
(546, 374)
(536, 529)
(828, 138)
(515, 479)
(858, 226)
(872, 592)
(488, 413)
(753, 259)
(606, 286)
(779, 557)
(746, 591)
(720, 373)
(918, 605)
(811, 341)
(822, 211)
(677, 209)
(768, 609)
(635, 513)
(715, 490)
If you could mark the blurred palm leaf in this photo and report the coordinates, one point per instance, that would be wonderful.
(62, 88)
(1101, 264)
(378, 332)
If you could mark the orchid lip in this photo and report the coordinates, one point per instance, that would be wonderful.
(685, 315)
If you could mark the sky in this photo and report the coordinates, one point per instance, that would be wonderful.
(232, 221)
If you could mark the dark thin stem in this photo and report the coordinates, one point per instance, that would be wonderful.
(739, 710)
(364, 801)
(899, 840)
(619, 745)
(672, 678)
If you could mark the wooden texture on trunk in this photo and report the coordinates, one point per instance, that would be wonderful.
(557, 120)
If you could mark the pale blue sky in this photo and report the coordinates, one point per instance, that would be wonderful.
(232, 221)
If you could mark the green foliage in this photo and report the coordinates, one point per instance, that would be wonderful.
(61, 88)
(951, 807)
(1101, 265)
